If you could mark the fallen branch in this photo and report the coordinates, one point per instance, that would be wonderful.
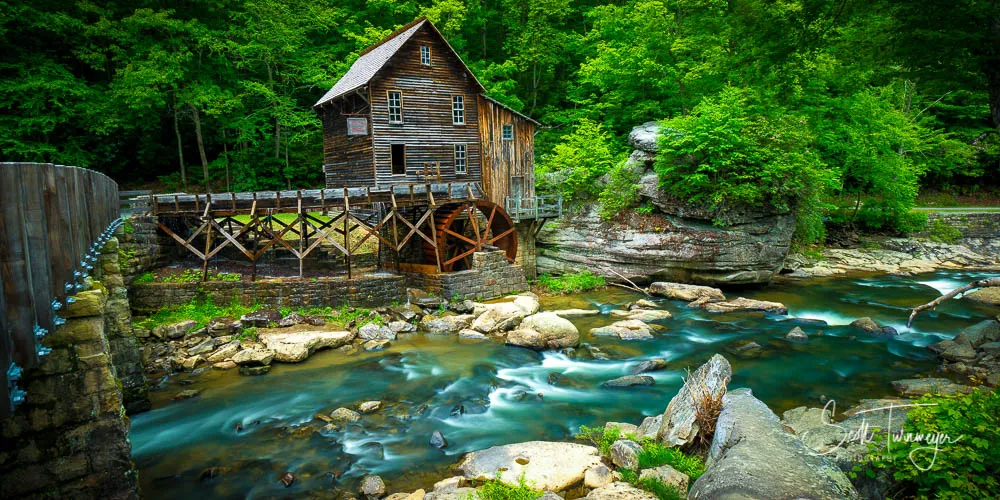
(986, 283)
(633, 287)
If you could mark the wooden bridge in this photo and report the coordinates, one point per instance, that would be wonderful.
(451, 221)
(53, 221)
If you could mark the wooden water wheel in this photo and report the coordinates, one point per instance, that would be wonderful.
(464, 228)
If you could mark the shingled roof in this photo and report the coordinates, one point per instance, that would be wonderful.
(375, 57)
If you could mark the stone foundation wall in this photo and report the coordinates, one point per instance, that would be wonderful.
(491, 276)
(526, 247)
(142, 247)
(372, 290)
(980, 231)
(70, 437)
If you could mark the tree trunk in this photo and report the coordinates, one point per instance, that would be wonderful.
(287, 178)
(201, 145)
(180, 148)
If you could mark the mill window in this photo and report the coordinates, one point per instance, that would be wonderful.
(425, 55)
(397, 157)
(508, 132)
(395, 101)
(458, 110)
(460, 157)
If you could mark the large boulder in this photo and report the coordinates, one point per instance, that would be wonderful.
(446, 323)
(625, 454)
(678, 426)
(628, 381)
(988, 296)
(753, 457)
(545, 330)
(372, 331)
(494, 321)
(297, 346)
(620, 491)
(254, 357)
(689, 293)
(642, 314)
(915, 387)
(551, 466)
(680, 243)
(645, 137)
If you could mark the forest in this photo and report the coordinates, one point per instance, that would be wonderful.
(842, 110)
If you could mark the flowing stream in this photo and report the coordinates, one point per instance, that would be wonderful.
(480, 394)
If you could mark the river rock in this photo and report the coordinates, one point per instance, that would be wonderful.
(467, 333)
(682, 244)
(988, 296)
(225, 352)
(985, 331)
(438, 441)
(682, 291)
(372, 487)
(598, 476)
(294, 347)
(400, 326)
(552, 466)
(650, 365)
(291, 320)
(372, 331)
(649, 427)
(630, 329)
(545, 330)
(253, 371)
(678, 426)
(752, 457)
(344, 416)
(625, 454)
(254, 357)
(629, 381)
(202, 347)
(642, 314)
(645, 137)
(624, 428)
(375, 345)
(745, 304)
(175, 330)
(668, 476)
(218, 327)
(260, 319)
(445, 324)
(915, 387)
(369, 406)
(867, 325)
(797, 334)
(224, 365)
(187, 394)
(576, 313)
(493, 322)
(620, 491)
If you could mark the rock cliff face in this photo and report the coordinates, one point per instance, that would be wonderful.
(677, 242)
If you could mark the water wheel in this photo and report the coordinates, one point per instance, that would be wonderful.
(464, 228)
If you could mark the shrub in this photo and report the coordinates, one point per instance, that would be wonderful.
(622, 191)
(575, 164)
(964, 465)
(201, 310)
(496, 489)
(707, 406)
(601, 437)
(571, 283)
(941, 232)
(146, 277)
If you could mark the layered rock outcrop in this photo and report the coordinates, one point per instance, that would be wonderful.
(678, 242)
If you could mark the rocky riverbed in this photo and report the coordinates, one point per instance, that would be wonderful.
(519, 370)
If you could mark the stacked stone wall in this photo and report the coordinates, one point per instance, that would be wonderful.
(980, 231)
(372, 290)
(69, 439)
(491, 276)
(526, 247)
(142, 247)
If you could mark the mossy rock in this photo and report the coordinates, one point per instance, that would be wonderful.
(989, 296)
(88, 303)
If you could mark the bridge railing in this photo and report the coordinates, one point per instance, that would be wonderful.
(53, 221)
(534, 207)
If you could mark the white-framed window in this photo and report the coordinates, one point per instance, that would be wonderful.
(508, 132)
(395, 103)
(460, 159)
(458, 109)
(425, 55)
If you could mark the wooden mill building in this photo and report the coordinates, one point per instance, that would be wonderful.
(409, 111)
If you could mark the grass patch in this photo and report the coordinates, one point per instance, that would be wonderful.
(601, 437)
(496, 489)
(941, 232)
(570, 283)
(186, 276)
(662, 490)
(146, 277)
(655, 454)
(343, 315)
(200, 311)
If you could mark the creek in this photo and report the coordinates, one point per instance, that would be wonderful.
(483, 393)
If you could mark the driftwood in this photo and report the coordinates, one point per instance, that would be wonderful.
(633, 287)
(986, 283)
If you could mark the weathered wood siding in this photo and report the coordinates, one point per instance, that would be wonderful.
(503, 160)
(347, 160)
(427, 129)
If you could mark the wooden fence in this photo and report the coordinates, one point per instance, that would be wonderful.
(53, 221)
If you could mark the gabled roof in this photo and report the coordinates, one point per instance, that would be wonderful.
(512, 110)
(374, 58)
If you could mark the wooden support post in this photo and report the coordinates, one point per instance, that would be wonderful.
(395, 230)
(256, 243)
(302, 230)
(347, 232)
(434, 236)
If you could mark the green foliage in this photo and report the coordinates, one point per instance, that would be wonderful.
(942, 232)
(662, 490)
(127, 227)
(496, 489)
(655, 454)
(575, 164)
(962, 466)
(125, 256)
(247, 334)
(194, 276)
(732, 152)
(622, 191)
(570, 283)
(146, 277)
(201, 310)
(601, 437)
